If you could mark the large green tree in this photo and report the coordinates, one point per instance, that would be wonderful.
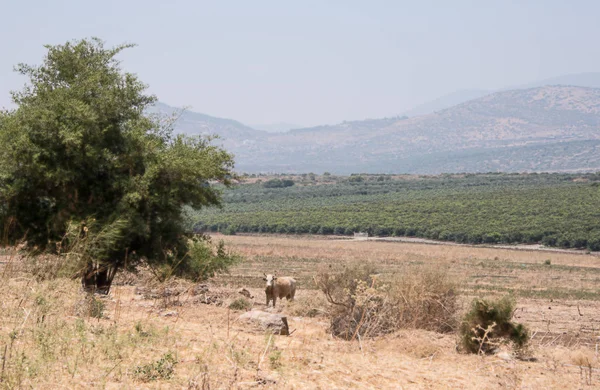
(81, 162)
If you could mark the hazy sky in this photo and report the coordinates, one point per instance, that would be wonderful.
(313, 62)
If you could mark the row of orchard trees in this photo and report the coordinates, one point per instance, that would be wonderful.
(85, 173)
(589, 240)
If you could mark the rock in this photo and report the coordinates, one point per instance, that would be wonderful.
(506, 356)
(245, 293)
(156, 293)
(170, 314)
(209, 298)
(272, 322)
(199, 289)
(266, 380)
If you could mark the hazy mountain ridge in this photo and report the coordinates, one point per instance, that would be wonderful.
(279, 127)
(233, 135)
(590, 79)
(509, 130)
(550, 128)
(446, 101)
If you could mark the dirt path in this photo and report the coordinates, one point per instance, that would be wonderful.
(518, 247)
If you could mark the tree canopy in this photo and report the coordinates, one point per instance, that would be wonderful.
(79, 158)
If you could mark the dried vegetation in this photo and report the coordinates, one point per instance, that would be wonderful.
(176, 334)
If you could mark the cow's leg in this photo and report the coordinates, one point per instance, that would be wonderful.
(274, 300)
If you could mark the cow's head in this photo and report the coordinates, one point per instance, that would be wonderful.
(270, 279)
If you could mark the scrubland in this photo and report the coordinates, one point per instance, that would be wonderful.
(147, 334)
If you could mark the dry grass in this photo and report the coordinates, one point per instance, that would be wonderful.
(550, 297)
(363, 303)
(44, 344)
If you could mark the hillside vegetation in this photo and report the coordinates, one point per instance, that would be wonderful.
(554, 209)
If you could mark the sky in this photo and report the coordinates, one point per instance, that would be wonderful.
(312, 62)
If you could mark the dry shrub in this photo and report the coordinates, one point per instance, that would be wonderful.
(313, 305)
(487, 325)
(426, 299)
(362, 306)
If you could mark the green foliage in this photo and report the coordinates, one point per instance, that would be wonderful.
(163, 368)
(556, 209)
(488, 323)
(278, 183)
(96, 307)
(203, 259)
(240, 304)
(79, 148)
(275, 359)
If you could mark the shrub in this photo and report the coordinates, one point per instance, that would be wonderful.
(160, 369)
(360, 306)
(229, 231)
(278, 183)
(426, 299)
(203, 260)
(240, 304)
(90, 306)
(488, 324)
(275, 359)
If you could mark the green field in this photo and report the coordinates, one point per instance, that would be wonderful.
(555, 209)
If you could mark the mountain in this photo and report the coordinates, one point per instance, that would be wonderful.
(232, 134)
(446, 101)
(591, 80)
(278, 127)
(548, 128)
(551, 128)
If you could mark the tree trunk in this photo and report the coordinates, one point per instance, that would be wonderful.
(98, 277)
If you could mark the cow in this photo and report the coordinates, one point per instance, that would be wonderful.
(279, 287)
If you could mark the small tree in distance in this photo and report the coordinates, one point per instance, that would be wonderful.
(84, 170)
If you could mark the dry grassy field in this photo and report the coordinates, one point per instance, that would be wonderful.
(134, 339)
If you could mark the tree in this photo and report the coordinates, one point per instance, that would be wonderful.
(83, 167)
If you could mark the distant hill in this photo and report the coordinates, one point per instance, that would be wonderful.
(591, 80)
(446, 101)
(232, 134)
(279, 127)
(549, 128)
(552, 128)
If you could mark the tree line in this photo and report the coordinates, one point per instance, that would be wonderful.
(554, 209)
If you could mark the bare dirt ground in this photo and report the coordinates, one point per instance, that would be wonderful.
(44, 344)
(521, 247)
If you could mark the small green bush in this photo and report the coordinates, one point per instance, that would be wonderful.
(160, 369)
(96, 308)
(547, 262)
(240, 304)
(488, 324)
(204, 259)
(275, 359)
(90, 306)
